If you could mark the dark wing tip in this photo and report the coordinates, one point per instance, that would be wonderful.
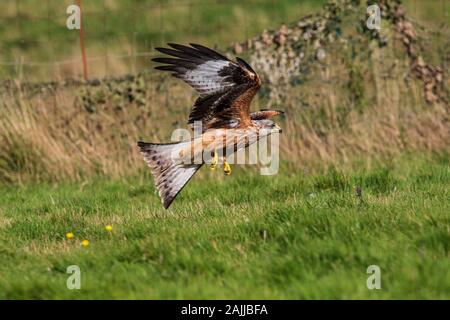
(166, 60)
(142, 144)
(245, 64)
(167, 68)
(180, 47)
(208, 51)
(160, 49)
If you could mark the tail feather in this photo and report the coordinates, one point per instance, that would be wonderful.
(170, 176)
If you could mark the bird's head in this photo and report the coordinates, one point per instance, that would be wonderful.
(267, 124)
(262, 119)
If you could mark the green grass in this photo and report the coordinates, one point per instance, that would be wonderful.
(293, 235)
(33, 33)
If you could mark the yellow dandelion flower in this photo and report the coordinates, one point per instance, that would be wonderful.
(85, 243)
(69, 235)
(108, 228)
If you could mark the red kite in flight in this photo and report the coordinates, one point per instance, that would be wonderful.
(226, 89)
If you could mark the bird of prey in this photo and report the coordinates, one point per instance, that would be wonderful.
(226, 89)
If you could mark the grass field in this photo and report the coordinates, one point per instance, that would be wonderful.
(293, 235)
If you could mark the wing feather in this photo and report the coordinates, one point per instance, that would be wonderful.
(226, 88)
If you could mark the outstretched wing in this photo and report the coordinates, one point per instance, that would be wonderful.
(226, 88)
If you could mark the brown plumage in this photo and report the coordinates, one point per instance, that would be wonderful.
(226, 89)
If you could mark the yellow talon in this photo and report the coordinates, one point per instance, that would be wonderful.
(214, 161)
(226, 168)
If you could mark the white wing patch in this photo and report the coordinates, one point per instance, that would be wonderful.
(219, 81)
(205, 79)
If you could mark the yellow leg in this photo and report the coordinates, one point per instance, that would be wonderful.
(214, 161)
(226, 168)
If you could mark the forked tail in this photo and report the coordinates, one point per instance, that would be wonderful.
(170, 175)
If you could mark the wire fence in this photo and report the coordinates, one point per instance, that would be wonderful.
(115, 38)
(118, 39)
